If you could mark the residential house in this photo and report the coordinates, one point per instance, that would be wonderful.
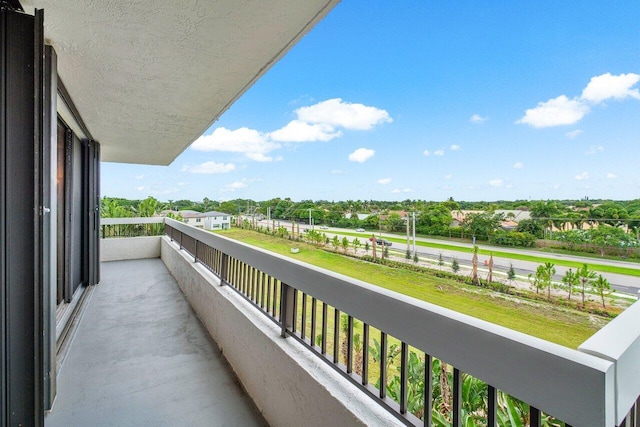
(208, 220)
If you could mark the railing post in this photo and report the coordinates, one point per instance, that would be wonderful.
(195, 251)
(224, 270)
(534, 417)
(286, 308)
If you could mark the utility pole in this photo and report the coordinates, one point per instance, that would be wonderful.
(414, 234)
(310, 224)
(408, 227)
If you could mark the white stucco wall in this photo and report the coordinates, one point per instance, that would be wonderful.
(289, 385)
(117, 249)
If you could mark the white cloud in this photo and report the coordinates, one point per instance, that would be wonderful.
(260, 157)
(252, 143)
(300, 131)
(455, 147)
(583, 176)
(496, 182)
(335, 112)
(361, 155)
(594, 150)
(477, 118)
(555, 112)
(403, 190)
(210, 168)
(237, 185)
(448, 176)
(518, 165)
(139, 176)
(438, 153)
(606, 86)
(426, 152)
(140, 188)
(384, 181)
(611, 175)
(564, 111)
(573, 134)
(337, 172)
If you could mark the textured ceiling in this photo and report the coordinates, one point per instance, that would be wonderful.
(149, 76)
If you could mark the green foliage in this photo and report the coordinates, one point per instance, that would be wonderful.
(407, 254)
(482, 225)
(513, 238)
(415, 257)
(440, 260)
(394, 223)
(147, 207)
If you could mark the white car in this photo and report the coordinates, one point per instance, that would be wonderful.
(360, 230)
(324, 227)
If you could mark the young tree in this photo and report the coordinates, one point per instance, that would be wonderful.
(455, 265)
(366, 246)
(601, 286)
(415, 258)
(345, 244)
(356, 245)
(407, 254)
(511, 273)
(549, 271)
(538, 280)
(335, 242)
(440, 260)
(586, 277)
(570, 279)
(385, 252)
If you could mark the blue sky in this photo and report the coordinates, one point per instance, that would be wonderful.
(395, 100)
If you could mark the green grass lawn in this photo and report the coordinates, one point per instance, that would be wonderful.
(560, 325)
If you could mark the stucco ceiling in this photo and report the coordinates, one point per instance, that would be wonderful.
(149, 76)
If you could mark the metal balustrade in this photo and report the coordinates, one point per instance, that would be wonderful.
(309, 304)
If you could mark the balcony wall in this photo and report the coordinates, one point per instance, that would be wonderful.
(289, 386)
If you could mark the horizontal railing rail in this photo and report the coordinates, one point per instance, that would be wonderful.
(318, 307)
(131, 227)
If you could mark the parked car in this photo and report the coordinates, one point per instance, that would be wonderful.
(360, 230)
(383, 242)
(324, 227)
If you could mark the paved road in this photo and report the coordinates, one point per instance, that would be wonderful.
(619, 282)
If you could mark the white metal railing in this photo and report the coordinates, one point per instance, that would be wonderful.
(598, 384)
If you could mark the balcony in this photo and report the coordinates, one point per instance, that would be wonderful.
(277, 323)
(141, 357)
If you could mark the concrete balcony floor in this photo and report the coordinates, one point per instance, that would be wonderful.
(141, 357)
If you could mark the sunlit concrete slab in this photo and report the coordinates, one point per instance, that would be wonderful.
(141, 357)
